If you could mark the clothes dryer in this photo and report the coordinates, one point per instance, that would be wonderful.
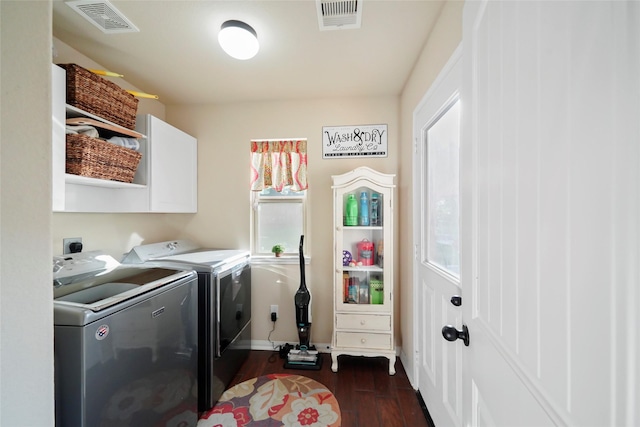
(224, 305)
(125, 343)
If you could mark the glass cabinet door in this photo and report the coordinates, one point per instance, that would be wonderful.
(360, 237)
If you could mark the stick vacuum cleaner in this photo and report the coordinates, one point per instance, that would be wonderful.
(303, 355)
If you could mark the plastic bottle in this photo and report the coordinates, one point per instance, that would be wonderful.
(375, 217)
(364, 208)
(351, 211)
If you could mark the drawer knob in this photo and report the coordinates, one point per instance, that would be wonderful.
(362, 322)
(363, 340)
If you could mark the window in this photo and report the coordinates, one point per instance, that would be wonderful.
(278, 219)
(278, 194)
(443, 147)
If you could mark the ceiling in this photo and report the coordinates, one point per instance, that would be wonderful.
(176, 55)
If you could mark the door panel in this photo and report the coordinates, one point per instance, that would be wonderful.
(438, 361)
(547, 148)
(451, 365)
(426, 343)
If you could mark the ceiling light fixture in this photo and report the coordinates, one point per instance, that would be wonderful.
(238, 39)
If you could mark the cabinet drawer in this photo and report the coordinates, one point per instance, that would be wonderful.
(364, 322)
(363, 340)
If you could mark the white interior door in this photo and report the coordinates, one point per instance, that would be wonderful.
(437, 266)
(549, 161)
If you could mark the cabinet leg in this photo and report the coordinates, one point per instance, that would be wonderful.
(334, 362)
(392, 365)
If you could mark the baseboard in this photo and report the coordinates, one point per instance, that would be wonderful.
(409, 367)
(424, 408)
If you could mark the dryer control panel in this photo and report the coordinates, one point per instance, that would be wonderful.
(143, 253)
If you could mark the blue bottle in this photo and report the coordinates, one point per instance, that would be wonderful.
(375, 215)
(364, 208)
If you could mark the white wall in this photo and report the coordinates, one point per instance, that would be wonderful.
(26, 308)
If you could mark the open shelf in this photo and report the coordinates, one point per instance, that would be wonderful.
(74, 116)
(94, 182)
(77, 116)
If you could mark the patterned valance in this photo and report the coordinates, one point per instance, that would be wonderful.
(276, 164)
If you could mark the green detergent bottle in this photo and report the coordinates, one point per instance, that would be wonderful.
(351, 211)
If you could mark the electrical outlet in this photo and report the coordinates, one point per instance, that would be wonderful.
(70, 245)
(274, 313)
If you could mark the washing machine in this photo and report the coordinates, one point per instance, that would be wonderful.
(224, 303)
(125, 343)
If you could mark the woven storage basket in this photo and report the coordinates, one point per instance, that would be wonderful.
(96, 95)
(95, 158)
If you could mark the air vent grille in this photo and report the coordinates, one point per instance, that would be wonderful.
(339, 14)
(103, 15)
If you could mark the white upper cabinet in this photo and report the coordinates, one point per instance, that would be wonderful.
(173, 157)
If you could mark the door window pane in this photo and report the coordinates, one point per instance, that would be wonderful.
(443, 148)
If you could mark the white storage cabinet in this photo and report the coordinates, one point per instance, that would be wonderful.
(175, 156)
(173, 164)
(363, 287)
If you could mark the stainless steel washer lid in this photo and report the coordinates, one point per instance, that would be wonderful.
(80, 303)
(93, 282)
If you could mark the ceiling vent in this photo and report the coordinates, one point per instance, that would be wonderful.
(103, 15)
(339, 14)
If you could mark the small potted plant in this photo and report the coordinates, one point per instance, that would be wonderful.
(277, 249)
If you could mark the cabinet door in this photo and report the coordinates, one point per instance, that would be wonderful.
(58, 99)
(362, 284)
(174, 173)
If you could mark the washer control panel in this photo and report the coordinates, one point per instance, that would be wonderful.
(81, 262)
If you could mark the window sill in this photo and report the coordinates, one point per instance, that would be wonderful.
(281, 260)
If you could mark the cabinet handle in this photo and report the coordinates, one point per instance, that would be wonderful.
(363, 340)
(362, 322)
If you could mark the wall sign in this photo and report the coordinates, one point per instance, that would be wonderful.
(354, 141)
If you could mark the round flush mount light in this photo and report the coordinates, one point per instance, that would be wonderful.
(238, 39)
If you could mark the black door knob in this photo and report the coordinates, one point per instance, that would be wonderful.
(450, 333)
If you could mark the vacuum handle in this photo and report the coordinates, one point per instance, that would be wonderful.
(303, 284)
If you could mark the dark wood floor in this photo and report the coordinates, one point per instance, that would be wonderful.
(367, 394)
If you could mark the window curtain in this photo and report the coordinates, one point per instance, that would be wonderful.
(276, 164)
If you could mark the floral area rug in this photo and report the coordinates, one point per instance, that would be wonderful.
(275, 400)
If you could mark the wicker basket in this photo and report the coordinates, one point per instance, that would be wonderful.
(96, 95)
(95, 158)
